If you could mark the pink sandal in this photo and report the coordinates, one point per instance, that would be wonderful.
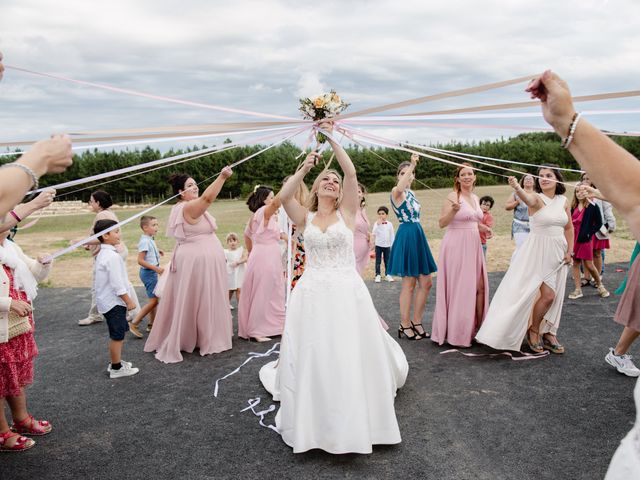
(22, 443)
(31, 426)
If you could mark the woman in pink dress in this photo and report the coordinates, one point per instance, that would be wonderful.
(261, 308)
(361, 234)
(462, 292)
(194, 311)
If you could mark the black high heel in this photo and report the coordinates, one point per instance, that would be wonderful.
(424, 333)
(402, 332)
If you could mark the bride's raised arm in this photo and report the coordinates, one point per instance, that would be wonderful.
(350, 201)
(297, 213)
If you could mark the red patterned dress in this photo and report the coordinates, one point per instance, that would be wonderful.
(16, 355)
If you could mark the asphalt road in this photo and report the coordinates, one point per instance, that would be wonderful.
(560, 417)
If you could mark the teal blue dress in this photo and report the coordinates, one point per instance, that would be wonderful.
(410, 252)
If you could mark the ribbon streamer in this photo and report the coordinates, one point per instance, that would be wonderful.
(251, 356)
(253, 403)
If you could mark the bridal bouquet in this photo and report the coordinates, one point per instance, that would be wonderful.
(323, 106)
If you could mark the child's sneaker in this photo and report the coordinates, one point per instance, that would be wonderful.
(378, 279)
(133, 328)
(577, 293)
(122, 362)
(603, 292)
(124, 371)
(390, 278)
(622, 363)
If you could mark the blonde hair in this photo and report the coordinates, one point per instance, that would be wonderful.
(312, 201)
(231, 235)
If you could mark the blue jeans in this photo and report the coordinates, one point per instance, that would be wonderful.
(380, 253)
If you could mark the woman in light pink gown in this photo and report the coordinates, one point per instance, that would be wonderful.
(361, 234)
(261, 308)
(194, 308)
(462, 292)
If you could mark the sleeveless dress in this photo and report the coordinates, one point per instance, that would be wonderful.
(338, 372)
(361, 241)
(194, 309)
(462, 269)
(261, 306)
(410, 254)
(581, 250)
(539, 261)
(235, 274)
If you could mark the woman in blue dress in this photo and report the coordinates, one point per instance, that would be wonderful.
(411, 257)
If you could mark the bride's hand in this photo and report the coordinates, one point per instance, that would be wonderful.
(326, 125)
(310, 161)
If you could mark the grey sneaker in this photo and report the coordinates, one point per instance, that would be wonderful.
(128, 364)
(622, 363)
(91, 319)
(125, 371)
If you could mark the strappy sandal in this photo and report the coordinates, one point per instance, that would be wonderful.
(402, 331)
(584, 282)
(534, 347)
(22, 443)
(32, 427)
(551, 346)
(424, 333)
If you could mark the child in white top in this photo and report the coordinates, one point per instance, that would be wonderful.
(112, 286)
(236, 257)
(382, 237)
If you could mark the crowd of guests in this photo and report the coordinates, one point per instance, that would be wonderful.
(330, 324)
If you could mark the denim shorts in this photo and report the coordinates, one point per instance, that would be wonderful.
(150, 280)
(117, 322)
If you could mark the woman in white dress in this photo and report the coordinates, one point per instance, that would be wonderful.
(528, 302)
(339, 370)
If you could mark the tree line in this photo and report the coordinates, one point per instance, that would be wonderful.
(376, 167)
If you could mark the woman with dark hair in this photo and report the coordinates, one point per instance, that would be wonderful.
(410, 256)
(462, 293)
(528, 302)
(261, 307)
(100, 202)
(194, 311)
(361, 234)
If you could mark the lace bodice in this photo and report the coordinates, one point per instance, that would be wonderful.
(332, 249)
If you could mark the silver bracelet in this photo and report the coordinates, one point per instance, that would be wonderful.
(27, 170)
(572, 129)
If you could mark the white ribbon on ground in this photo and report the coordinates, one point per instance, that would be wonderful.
(251, 356)
(253, 403)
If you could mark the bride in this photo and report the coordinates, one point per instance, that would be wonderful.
(339, 370)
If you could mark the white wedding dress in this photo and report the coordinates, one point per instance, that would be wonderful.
(339, 370)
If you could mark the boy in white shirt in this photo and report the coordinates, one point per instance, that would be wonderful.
(112, 298)
(382, 237)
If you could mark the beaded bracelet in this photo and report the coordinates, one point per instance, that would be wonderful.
(572, 129)
(27, 170)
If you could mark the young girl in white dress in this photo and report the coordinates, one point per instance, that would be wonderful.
(339, 370)
(236, 257)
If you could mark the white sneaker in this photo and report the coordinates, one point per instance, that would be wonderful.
(125, 371)
(622, 363)
(128, 364)
(378, 279)
(231, 307)
(390, 278)
(89, 320)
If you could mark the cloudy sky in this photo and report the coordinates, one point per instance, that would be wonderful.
(263, 55)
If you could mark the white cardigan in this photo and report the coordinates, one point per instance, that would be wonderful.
(39, 271)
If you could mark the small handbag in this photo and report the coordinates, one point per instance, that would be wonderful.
(18, 325)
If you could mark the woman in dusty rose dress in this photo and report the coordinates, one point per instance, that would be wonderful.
(361, 234)
(462, 292)
(261, 308)
(194, 311)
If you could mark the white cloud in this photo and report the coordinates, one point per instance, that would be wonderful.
(263, 55)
